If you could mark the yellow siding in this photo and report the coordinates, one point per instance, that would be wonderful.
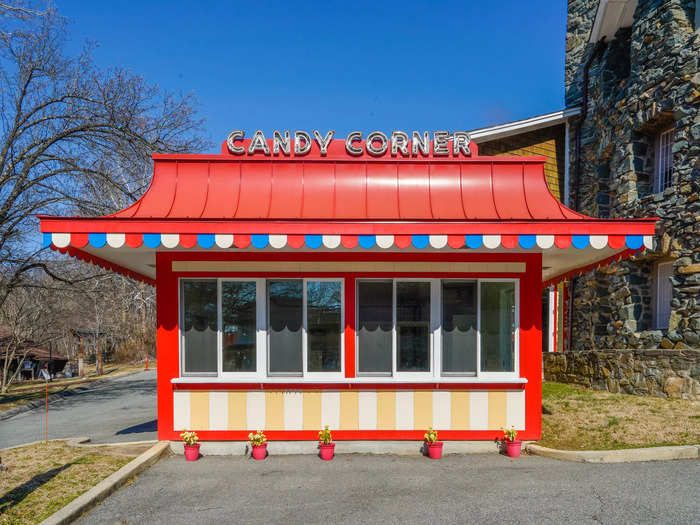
(237, 411)
(199, 407)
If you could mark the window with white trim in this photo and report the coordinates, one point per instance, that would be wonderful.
(663, 292)
(663, 164)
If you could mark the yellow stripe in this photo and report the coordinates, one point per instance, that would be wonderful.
(349, 411)
(459, 411)
(386, 410)
(497, 409)
(274, 410)
(236, 411)
(199, 410)
(422, 410)
(311, 405)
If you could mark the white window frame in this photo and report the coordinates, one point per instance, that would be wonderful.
(516, 332)
(662, 163)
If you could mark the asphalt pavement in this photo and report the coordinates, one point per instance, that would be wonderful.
(365, 489)
(115, 410)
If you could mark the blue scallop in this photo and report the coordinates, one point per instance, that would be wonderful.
(313, 241)
(206, 240)
(527, 241)
(580, 241)
(473, 241)
(46, 240)
(98, 240)
(151, 240)
(367, 241)
(260, 240)
(420, 241)
(634, 242)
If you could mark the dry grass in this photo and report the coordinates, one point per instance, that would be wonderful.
(576, 418)
(45, 477)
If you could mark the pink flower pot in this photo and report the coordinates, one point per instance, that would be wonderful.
(192, 452)
(327, 451)
(513, 448)
(434, 450)
(260, 451)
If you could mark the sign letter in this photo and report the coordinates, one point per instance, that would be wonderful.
(323, 142)
(236, 134)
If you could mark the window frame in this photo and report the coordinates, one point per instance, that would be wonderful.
(181, 331)
(657, 324)
(661, 182)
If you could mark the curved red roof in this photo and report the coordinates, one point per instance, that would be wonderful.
(340, 188)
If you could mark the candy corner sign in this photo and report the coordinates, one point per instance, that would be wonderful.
(376, 143)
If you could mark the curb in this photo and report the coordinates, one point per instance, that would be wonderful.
(108, 485)
(618, 456)
(31, 405)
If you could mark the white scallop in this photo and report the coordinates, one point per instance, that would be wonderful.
(223, 240)
(598, 241)
(649, 242)
(545, 241)
(60, 240)
(331, 241)
(492, 241)
(278, 241)
(385, 241)
(116, 240)
(438, 241)
(170, 240)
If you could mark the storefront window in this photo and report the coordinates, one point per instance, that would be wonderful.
(459, 327)
(238, 311)
(497, 327)
(413, 326)
(323, 321)
(374, 330)
(285, 303)
(200, 326)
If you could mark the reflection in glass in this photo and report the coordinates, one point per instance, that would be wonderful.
(199, 330)
(497, 327)
(459, 327)
(323, 326)
(375, 320)
(285, 319)
(238, 325)
(413, 326)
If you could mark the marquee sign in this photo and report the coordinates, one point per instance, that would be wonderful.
(376, 143)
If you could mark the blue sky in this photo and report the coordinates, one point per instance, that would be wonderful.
(346, 66)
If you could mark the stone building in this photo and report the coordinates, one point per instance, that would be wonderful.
(632, 68)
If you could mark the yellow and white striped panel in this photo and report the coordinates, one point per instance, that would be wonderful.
(349, 410)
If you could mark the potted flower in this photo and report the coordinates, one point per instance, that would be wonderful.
(512, 445)
(434, 446)
(258, 442)
(191, 445)
(325, 444)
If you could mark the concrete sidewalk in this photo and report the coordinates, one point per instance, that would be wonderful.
(475, 488)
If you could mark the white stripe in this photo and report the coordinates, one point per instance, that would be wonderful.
(223, 240)
(181, 410)
(116, 240)
(404, 410)
(598, 241)
(330, 410)
(438, 241)
(649, 239)
(492, 241)
(515, 409)
(478, 410)
(331, 241)
(293, 411)
(545, 241)
(367, 408)
(170, 240)
(218, 410)
(442, 406)
(255, 410)
(385, 241)
(60, 240)
(278, 241)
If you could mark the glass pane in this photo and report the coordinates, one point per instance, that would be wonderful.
(238, 325)
(459, 327)
(323, 326)
(375, 319)
(497, 327)
(285, 320)
(199, 306)
(413, 327)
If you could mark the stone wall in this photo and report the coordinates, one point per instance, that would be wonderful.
(647, 80)
(664, 373)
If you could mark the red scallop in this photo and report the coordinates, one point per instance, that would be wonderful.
(188, 240)
(348, 241)
(402, 241)
(241, 241)
(616, 241)
(295, 241)
(133, 240)
(562, 241)
(509, 241)
(79, 240)
(455, 241)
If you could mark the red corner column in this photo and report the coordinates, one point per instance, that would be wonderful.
(531, 344)
(166, 342)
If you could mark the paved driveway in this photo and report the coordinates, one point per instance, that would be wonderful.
(392, 489)
(119, 409)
